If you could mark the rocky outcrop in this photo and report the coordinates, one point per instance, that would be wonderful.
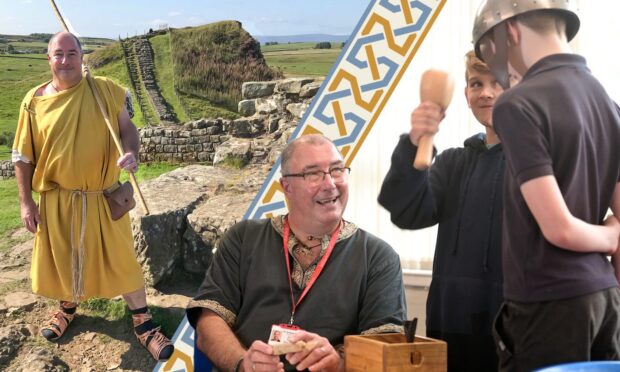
(171, 236)
(250, 90)
(209, 221)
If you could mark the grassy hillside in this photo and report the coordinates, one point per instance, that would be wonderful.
(164, 73)
(111, 64)
(301, 59)
(18, 74)
(212, 62)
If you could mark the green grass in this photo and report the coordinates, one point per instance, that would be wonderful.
(9, 212)
(18, 75)
(117, 310)
(288, 46)
(300, 59)
(198, 107)
(29, 44)
(117, 71)
(5, 152)
(113, 52)
(164, 74)
(108, 309)
(149, 171)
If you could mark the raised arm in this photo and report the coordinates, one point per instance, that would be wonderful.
(560, 227)
(411, 196)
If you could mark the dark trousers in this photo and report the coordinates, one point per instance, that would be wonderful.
(534, 335)
(468, 353)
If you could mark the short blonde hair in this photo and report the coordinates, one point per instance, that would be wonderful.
(473, 63)
(544, 21)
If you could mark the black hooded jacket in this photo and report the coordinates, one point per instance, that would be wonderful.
(462, 192)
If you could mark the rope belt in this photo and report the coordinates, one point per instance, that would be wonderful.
(78, 252)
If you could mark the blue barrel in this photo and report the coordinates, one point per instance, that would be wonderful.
(583, 367)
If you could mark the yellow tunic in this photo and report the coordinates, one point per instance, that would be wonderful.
(65, 136)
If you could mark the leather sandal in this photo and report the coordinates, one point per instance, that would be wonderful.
(57, 325)
(153, 340)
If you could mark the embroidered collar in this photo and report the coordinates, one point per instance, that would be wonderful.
(347, 230)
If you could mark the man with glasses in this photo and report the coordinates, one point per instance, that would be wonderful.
(309, 272)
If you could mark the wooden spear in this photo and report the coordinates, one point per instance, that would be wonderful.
(104, 112)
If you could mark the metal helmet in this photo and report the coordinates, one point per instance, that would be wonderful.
(490, 41)
(493, 12)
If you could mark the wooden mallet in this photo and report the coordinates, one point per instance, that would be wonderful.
(436, 86)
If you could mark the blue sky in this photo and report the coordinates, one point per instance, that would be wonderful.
(112, 18)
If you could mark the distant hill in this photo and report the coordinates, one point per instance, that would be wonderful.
(301, 38)
(198, 70)
(212, 61)
(37, 43)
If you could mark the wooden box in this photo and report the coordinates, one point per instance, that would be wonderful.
(392, 353)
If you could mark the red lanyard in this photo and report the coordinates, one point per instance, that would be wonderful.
(317, 271)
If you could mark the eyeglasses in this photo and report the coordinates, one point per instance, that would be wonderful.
(338, 175)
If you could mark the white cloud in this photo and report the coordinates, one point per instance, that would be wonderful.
(174, 14)
(158, 22)
(26, 1)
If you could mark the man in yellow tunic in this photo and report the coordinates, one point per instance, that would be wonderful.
(64, 151)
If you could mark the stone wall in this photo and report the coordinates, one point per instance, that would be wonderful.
(7, 169)
(194, 142)
(144, 53)
(271, 112)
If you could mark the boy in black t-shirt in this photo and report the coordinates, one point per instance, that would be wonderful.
(560, 132)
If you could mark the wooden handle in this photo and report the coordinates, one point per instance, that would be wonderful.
(424, 156)
(104, 112)
(435, 86)
(115, 138)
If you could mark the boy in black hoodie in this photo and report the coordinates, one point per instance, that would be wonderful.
(462, 193)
